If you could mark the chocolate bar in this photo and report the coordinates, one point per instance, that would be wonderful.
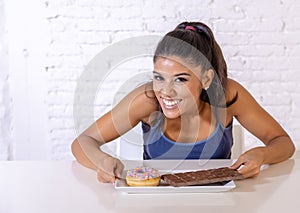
(201, 177)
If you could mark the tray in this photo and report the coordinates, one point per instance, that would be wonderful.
(120, 185)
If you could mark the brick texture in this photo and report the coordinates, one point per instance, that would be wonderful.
(259, 39)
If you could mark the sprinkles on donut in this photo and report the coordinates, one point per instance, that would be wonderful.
(142, 176)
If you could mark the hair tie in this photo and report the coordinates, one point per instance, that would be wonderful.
(190, 28)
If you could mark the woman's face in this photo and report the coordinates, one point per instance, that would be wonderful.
(176, 87)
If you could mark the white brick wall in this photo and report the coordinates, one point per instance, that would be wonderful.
(260, 41)
(5, 103)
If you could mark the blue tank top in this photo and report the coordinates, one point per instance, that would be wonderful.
(158, 146)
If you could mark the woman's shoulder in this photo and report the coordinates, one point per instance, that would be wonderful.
(144, 94)
(243, 98)
(233, 90)
(231, 83)
(142, 102)
(232, 96)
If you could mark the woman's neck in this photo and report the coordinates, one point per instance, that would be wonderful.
(191, 127)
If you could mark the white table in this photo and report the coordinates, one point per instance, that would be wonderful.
(67, 187)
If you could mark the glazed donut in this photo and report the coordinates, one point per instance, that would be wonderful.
(142, 176)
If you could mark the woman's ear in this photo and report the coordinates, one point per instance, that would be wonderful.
(207, 78)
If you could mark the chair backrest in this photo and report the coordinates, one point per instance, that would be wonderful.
(130, 146)
(238, 141)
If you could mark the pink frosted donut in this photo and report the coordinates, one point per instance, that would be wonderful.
(143, 176)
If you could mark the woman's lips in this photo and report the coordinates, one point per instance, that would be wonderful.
(170, 103)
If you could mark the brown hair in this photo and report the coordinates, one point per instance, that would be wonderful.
(194, 42)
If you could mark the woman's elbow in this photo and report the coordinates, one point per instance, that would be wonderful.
(75, 146)
(80, 156)
(292, 149)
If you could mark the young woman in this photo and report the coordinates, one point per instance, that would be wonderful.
(186, 111)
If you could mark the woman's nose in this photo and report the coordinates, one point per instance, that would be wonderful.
(168, 89)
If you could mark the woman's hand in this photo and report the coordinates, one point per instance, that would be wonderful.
(109, 169)
(249, 163)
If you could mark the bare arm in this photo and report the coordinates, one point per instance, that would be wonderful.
(116, 122)
(256, 120)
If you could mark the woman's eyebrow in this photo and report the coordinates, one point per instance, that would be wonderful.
(184, 73)
(179, 74)
(154, 72)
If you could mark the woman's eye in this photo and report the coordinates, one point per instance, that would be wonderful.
(158, 78)
(180, 80)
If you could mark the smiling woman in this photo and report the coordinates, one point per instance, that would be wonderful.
(178, 89)
(186, 111)
(175, 86)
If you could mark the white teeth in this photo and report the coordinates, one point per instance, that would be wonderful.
(170, 103)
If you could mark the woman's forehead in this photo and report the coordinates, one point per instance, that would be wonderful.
(174, 65)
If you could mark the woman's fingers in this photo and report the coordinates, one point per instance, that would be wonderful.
(249, 171)
(118, 169)
(246, 168)
(105, 177)
(249, 163)
(109, 169)
(237, 164)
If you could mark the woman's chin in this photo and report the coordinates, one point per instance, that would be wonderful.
(171, 113)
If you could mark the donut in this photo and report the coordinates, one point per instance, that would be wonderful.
(142, 176)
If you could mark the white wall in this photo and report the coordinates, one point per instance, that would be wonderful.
(5, 112)
(46, 45)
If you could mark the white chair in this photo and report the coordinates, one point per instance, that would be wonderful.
(128, 147)
(238, 141)
(125, 149)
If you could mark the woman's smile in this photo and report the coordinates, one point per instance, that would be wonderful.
(169, 103)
